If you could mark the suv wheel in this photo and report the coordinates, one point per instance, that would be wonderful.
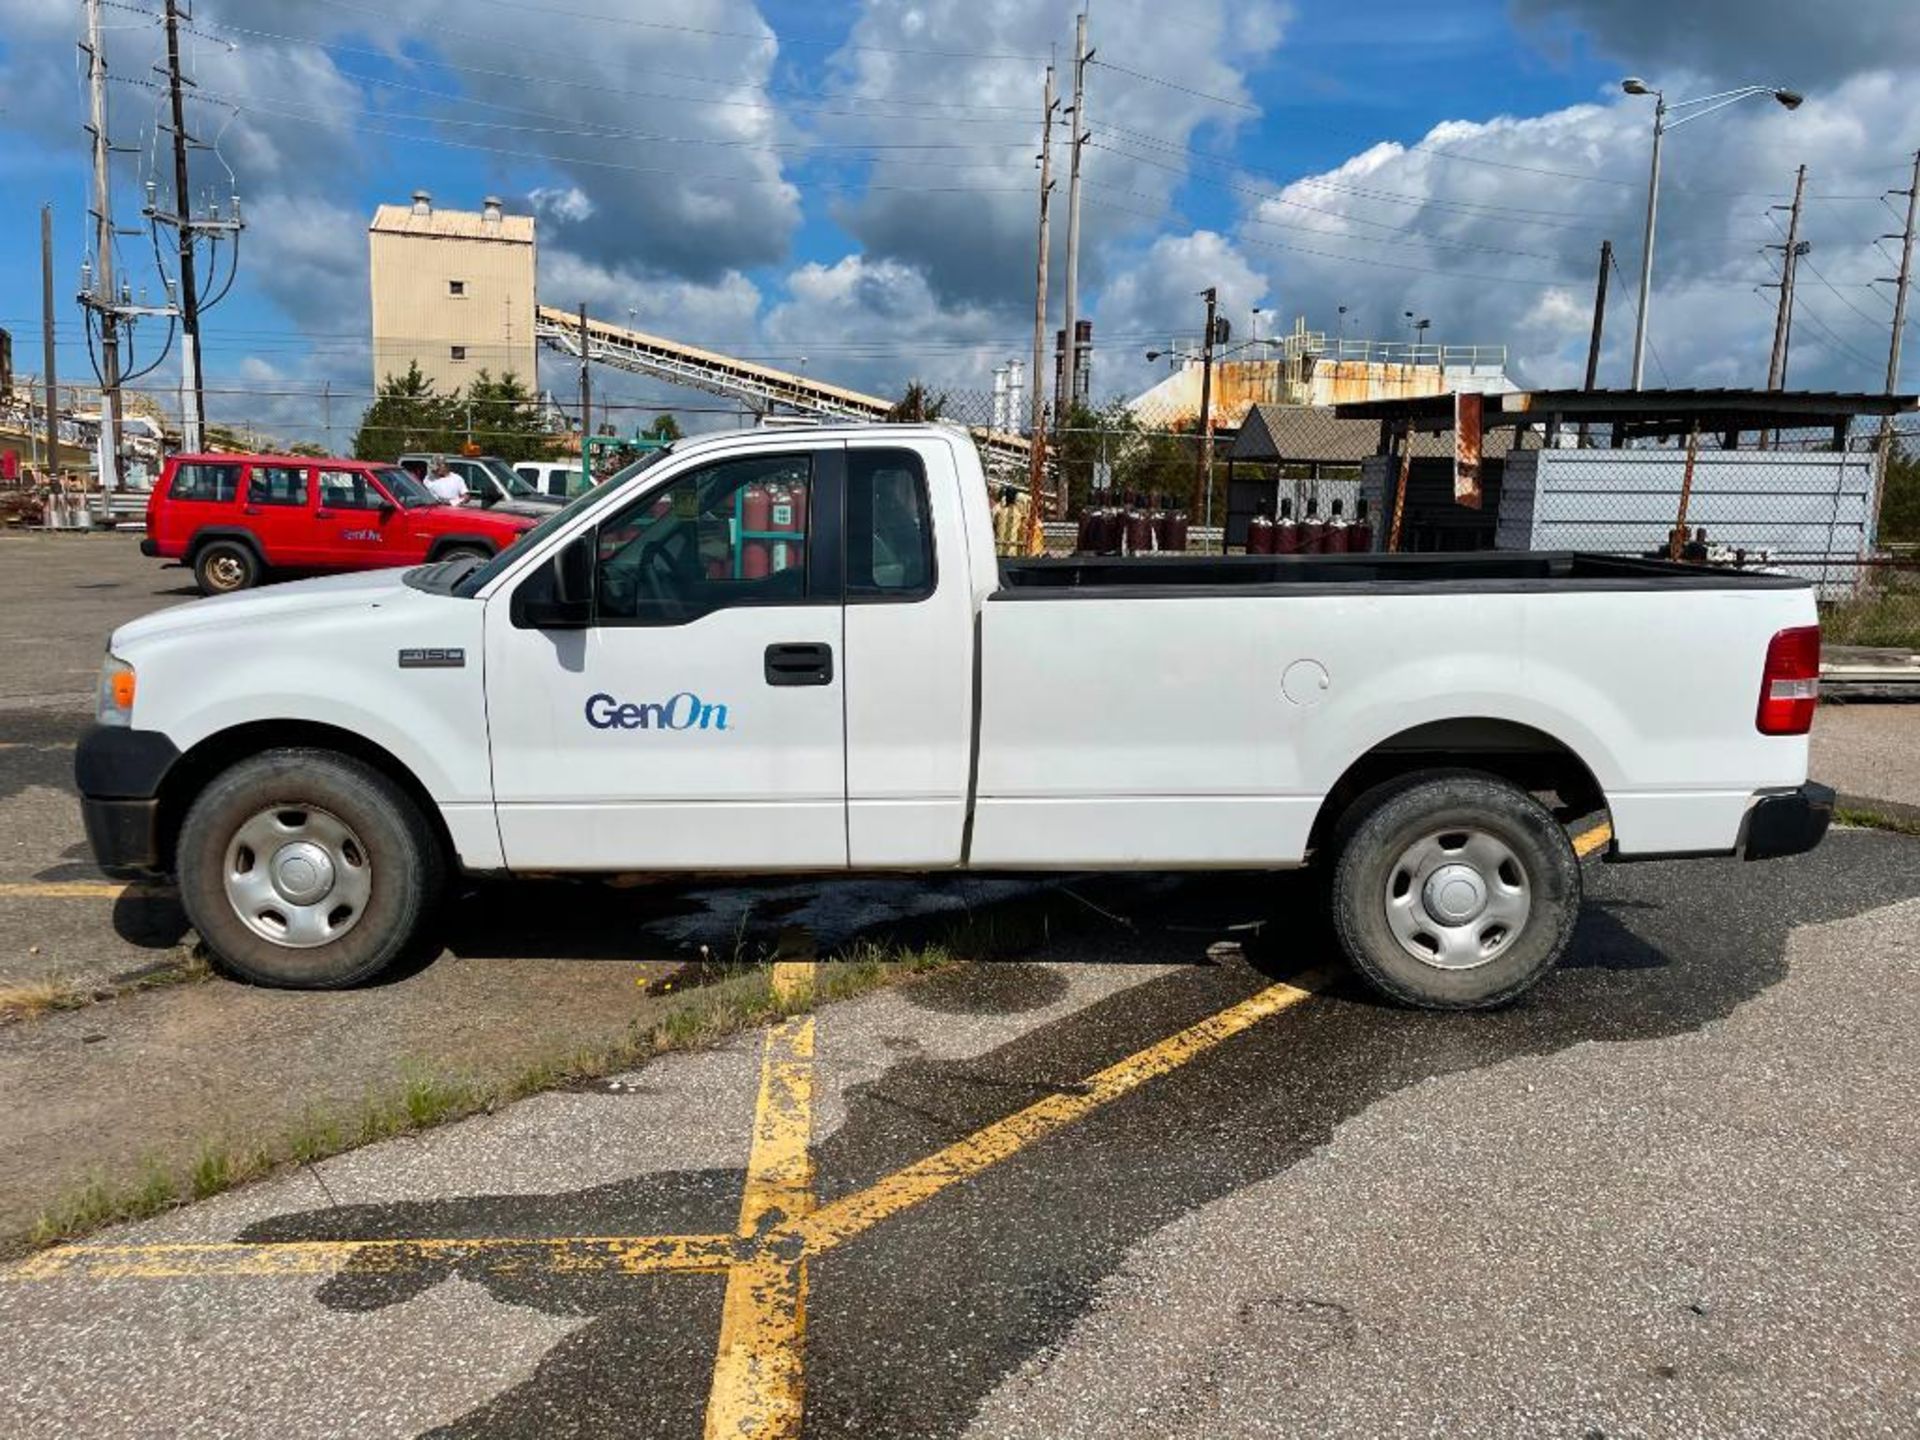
(306, 869)
(463, 552)
(1456, 891)
(221, 567)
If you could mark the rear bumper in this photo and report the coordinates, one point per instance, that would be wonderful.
(118, 772)
(1787, 822)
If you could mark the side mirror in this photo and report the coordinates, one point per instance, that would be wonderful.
(386, 509)
(561, 596)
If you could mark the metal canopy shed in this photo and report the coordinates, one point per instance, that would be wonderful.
(1785, 479)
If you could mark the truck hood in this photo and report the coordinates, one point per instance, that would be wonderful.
(273, 605)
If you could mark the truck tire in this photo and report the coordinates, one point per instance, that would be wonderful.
(307, 869)
(1455, 891)
(462, 552)
(220, 567)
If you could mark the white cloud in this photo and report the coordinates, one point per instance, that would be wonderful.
(564, 203)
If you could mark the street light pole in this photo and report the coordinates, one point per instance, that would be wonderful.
(1694, 109)
(1646, 241)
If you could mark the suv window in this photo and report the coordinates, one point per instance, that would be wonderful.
(734, 533)
(889, 526)
(205, 482)
(349, 490)
(277, 485)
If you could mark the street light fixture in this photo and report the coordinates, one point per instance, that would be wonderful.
(1666, 117)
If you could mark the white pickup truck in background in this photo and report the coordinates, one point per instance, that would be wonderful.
(795, 650)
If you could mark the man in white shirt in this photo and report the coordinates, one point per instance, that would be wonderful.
(447, 487)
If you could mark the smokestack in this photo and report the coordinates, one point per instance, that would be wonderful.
(490, 210)
(422, 203)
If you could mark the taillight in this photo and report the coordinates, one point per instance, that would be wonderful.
(1790, 686)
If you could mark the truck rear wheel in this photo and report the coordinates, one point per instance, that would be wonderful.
(306, 869)
(1456, 891)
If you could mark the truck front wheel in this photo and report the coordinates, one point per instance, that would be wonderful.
(1456, 891)
(306, 869)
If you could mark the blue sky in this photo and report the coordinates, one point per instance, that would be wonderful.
(853, 183)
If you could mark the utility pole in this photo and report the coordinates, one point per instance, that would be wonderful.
(1037, 459)
(101, 297)
(586, 389)
(192, 398)
(1777, 366)
(1078, 135)
(46, 330)
(1599, 313)
(326, 412)
(1203, 475)
(1901, 284)
(1599, 325)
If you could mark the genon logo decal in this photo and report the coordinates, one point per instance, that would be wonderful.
(685, 711)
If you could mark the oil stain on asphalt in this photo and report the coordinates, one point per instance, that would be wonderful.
(913, 1323)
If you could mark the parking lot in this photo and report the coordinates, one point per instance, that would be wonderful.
(1167, 1170)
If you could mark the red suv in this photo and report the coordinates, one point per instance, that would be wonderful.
(234, 518)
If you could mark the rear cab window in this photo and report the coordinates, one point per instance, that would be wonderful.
(890, 552)
(215, 482)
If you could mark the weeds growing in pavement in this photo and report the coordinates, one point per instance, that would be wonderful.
(736, 996)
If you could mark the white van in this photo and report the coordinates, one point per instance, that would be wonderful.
(563, 478)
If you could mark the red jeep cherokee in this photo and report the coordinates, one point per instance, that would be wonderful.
(234, 518)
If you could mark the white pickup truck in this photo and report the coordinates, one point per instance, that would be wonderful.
(795, 650)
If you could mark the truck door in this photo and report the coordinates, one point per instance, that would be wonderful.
(698, 721)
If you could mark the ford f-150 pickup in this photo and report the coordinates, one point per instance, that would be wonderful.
(795, 650)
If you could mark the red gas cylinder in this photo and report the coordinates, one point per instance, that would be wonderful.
(1174, 537)
(1360, 533)
(1139, 526)
(1334, 541)
(1260, 534)
(1286, 534)
(756, 515)
(1083, 543)
(1313, 530)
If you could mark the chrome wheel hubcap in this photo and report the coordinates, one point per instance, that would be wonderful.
(297, 876)
(1457, 899)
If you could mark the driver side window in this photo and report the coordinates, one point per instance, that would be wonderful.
(734, 533)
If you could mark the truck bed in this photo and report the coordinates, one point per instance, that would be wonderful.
(1112, 578)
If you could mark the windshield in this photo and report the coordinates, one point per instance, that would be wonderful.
(404, 488)
(505, 474)
(478, 579)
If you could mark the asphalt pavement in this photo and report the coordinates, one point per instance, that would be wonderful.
(1671, 1192)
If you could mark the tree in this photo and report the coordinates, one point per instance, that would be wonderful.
(408, 414)
(664, 427)
(917, 404)
(1900, 506)
(503, 418)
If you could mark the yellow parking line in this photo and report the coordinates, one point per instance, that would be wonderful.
(757, 1372)
(793, 980)
(578, 1255)
(78, 890)
(843, 1219)
(1588, 841)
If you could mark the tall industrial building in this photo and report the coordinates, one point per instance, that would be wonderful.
(452, 290)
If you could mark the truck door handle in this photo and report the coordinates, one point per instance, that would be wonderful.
(800, 664)
(323, 514)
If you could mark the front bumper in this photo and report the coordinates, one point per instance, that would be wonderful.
(119, 773)
(1787, 822)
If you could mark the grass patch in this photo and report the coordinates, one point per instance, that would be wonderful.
(1884, 613)
(1876, 820)
(30, 999)
(732, 997)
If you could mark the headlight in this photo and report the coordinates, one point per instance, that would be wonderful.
(115, 706)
